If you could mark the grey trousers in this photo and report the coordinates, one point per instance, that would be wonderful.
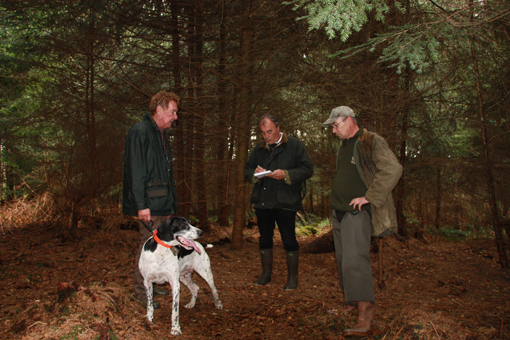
(138, 286)
(352, 237)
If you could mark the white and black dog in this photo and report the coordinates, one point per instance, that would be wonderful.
(172, 255)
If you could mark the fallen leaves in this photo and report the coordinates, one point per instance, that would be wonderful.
(83, 290)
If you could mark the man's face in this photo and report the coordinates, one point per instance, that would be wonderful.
(165, 117)
(269, 131)
(341, 127)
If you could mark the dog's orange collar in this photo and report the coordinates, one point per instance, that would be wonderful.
(158, 240)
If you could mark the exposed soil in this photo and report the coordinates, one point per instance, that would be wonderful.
(431, 289)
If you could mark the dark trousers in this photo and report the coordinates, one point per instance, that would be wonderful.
(286, 220)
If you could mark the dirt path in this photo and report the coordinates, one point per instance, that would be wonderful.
(434, 290)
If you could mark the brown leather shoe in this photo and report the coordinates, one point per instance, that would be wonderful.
(357, 331)
(366, 312)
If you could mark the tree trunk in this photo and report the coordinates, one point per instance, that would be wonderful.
(189, 129)
(180, 158)
(381, 266)
(500, 241)
(223, 176)
(3, 172)
(243, 132)
(401, 185)
(201, 191)
(418, 233)
(310, 200)
(326, 212)
(438, 197)
(85, 189)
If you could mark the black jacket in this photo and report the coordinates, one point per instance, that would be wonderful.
(148, 174)
(268, 193)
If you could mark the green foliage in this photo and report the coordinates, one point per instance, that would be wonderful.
(410, 47)
(314, 226)
(414, 45)
(307, 230)
(417, 43)
(343, 16)
(19, 55)
(55, 121)
(456, 233)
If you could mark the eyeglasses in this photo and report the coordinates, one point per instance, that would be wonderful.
(340, 122)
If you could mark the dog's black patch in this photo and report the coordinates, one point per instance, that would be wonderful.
(167, 228)
(184, 252)
(150, 245)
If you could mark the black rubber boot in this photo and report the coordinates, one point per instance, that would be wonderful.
(159, 291)
(155, 304)
(292, 268)
(266, 257)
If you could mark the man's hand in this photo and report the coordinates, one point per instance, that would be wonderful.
(144, 215)
(277, 174)
(259, 169)
(358, 202)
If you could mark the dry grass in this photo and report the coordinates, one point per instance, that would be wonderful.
(21, 212)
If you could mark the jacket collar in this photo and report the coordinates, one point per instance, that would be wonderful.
(362, 134)
(283, 140)
(149, 118)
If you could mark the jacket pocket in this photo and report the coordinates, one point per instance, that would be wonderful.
(289, 196)
(255, 194)
(156, 193)
(158, 197)
(384, 222)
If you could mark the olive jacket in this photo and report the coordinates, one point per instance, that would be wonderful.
(380, 170)
(289, 155)
(148, 174)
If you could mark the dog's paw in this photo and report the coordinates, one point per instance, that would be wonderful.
(176, 331)
(190, 305)
(218, 305)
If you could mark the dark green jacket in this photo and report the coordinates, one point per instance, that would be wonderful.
(148, 174)
(289, 155)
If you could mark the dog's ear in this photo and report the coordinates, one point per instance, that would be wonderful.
(165, 231)
(167, 222)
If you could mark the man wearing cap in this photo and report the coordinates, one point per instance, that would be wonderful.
(366, 173)
(278, 195)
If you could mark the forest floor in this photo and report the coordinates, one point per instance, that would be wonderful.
(431, 289)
